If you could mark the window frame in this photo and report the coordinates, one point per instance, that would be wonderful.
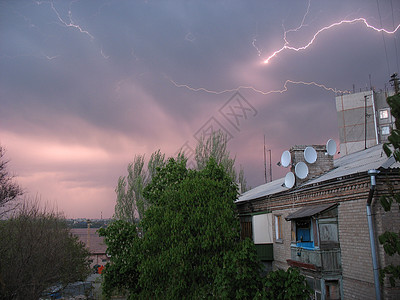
(387, 132)
(383, 112)
(278, 228)
(246, 228)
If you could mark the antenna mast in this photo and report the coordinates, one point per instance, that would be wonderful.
(270, 165)
(265, 163)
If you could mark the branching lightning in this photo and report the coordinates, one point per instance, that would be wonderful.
(281, 91)
(255, 46)
(287, 46)
(71, 22)
(358, 20)
(103, 54)
(299, 27)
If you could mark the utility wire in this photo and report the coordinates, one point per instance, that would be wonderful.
(395, 40)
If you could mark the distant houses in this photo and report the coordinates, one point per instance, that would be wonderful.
(94, 243)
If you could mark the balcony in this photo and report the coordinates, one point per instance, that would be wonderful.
(325, 261)
(265, 252)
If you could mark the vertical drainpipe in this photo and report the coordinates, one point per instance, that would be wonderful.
(373, 173)
(375, 125)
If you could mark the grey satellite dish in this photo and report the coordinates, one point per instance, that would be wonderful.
(289, 180)
(301, 170)
(331, 147)
(285, 159)
(310, 155)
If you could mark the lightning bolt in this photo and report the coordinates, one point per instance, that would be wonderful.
(71, 22)
(358, 20)
(299, 27)
(51, 57)
(103, 54)
(281, 91)
(255, 46)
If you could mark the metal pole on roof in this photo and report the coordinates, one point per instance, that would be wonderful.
(270, 165)
(365, 121)
(265, 163)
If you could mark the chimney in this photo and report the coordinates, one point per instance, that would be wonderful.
(323, 164)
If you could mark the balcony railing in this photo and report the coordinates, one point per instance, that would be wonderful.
(321, 260)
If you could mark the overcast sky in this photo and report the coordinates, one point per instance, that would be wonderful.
(87, 85)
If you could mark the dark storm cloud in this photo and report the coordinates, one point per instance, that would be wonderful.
(86, 85)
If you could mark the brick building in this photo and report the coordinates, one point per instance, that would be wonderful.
(319, 224)
(364, 119)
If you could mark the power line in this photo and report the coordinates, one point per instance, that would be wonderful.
(394, 36)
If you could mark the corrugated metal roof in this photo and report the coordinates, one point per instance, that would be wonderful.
(357, 162)
(309, 211)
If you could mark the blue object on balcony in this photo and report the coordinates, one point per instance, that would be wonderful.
(305, 245)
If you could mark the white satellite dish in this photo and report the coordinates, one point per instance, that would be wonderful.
(331, 147)
(285, 159)
(289, 180)
(310, 155)
(301, 170)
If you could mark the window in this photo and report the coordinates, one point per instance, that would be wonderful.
(328, 232)
(246, 228)
(385, 130)
(383, 114)
(278, 228)
(303, 233)
(315, 226)
(332, 290)
(303, 230)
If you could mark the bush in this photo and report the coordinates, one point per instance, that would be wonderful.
(285, 285)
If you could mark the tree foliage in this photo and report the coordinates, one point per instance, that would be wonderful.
(391, 240)
(215, 146)
(285, 285)
(37, 251)
(190, 247)
(121, 275)
(9, 189)
(131, 203)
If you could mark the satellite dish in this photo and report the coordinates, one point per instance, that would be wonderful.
(301, 170)
(289, 180)
(310, 155)
(285, 158)
(331, 147)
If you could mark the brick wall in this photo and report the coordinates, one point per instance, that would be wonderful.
(351, 192)
(356, 251)
(323, 164)
(282, 248)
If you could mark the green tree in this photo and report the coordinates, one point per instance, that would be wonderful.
(37, 251)
(285, 285)
(215, 146)
(130, 201)
(391, 240)
(121, 274)
(187, 233)
(191, 246)
(239, 277)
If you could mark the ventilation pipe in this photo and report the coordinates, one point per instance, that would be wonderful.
(373, 173)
